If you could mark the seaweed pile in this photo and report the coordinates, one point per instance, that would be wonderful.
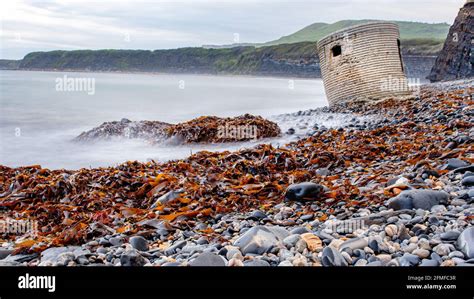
(212, 199)
(212, 129)
(205, 129)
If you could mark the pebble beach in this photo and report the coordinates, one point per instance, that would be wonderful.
(392, 186)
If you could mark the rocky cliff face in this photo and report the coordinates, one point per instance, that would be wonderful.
(456, 59)
(291, 60)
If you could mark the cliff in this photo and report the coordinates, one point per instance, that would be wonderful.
(286, 60)
(455, 61)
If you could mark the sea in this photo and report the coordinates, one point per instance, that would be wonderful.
(41, 112)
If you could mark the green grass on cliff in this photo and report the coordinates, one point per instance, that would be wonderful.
(408, 30)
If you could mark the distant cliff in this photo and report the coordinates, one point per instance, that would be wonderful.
(190, 60)
(6, 64)
(286, 60)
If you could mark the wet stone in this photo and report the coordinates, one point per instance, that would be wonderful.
(332, 257)
(409, 260)
(429, 263)
(416, 219)
(260, 239)
(291, 240)
(468, 182)
(374, 245)
(299, 230)
(433, 220)
(451, 235)
(372, 259)
(421, 253)
(455, 163)
(171, 264)
(468, 173)
(443, 249)
(4, 263)
(52, 254)
(374, 264)
(465, 242)
(307, 217)
(356, 243)
(256, 263)
(359, 253)
(173, 248)
(202, 241)
(166, 198)
(285, 264)
(257, 215)
(304, 191)
(391, 230)
(466, 169)
(418, 199)
(360, 262)
(132, 258)
(436, 257)
(231, 252)
(104, 242)
(116, 241)
(102, 250)
(438, 209)
(457, 254)
(207, 259)
(470, 193)
(139, 243)
(4, 253)
(393, 219)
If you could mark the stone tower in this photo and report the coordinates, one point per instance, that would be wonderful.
(362, 63)
(456, 60)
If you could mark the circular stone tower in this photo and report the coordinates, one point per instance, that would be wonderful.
(362, 63)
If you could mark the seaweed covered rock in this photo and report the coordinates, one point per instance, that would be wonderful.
(205, 129)
(212, 129)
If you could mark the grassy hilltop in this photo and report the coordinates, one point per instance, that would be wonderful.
(408, 31)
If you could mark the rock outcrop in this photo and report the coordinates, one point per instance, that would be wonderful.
(205, 129)
(456, 60)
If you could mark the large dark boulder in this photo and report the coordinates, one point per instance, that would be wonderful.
(304, 191)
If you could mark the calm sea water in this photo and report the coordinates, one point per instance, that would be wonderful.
(38, 119)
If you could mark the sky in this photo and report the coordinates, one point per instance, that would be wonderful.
(28, 26)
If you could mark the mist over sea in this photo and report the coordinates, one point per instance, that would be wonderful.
(38, 119)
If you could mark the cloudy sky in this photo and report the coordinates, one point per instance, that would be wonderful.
(28, 26)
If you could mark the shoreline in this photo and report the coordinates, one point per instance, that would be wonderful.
(169, 73)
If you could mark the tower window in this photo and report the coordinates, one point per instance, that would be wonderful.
(336, 51)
